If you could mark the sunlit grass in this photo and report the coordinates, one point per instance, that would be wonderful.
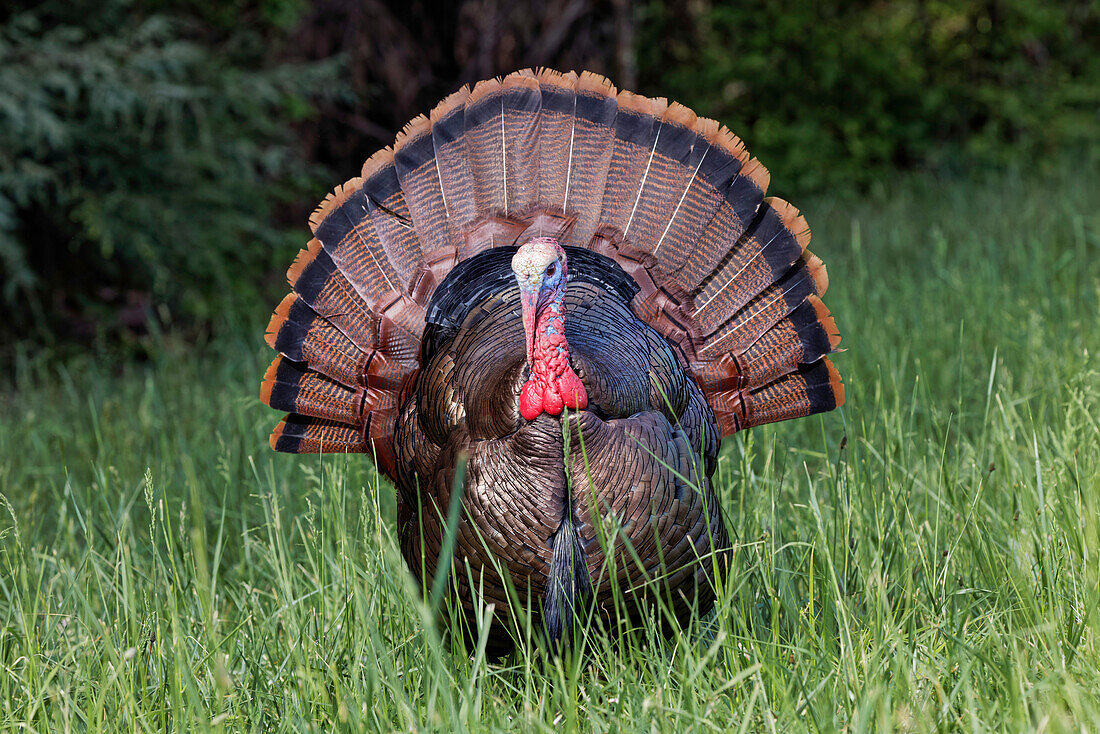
(926, 559)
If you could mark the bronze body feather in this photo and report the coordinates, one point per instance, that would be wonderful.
(578, 293)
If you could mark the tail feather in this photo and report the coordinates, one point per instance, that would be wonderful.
(558, 112)
(346, 232)
(522, 133)
(502, 145)
(764, 253)
(392, 220)
(322, 287)
(742, 183)
(485, 147)
(773, 303)
(333, 200)
(294, 387)
(448, 125)
(812, 389)
(297, 332)
(637, 132)
(348, 235)
(677, 153)
(304, 434)
(806, 335)
(317, 280)
(416, 167)
(712, 171)
(593, 142)
(298, 434)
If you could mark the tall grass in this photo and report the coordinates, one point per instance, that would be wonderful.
(925, 559)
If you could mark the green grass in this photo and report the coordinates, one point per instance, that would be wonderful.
(936, 570)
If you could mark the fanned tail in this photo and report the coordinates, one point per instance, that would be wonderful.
(676, 200)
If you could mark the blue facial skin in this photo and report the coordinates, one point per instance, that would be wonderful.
(544, 291)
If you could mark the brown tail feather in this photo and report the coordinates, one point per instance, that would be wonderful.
(292, 386)
(298, 434)
(741, 183)
(417, 171)
(392, 220)
(766, 309)
(813, 389)
(485, 147)
(637, 131)
(808, 390)
(590, 153)
(764, 253)
(322, 287)
(349, 238)
(502, 145)
(522, 119)
(672, 165)
(449, 142)
(301, 335)
(806, 335)
(333, 200)
(559, 102)
(297, 332)
(325, 289)
(345, 230)
(711, 171)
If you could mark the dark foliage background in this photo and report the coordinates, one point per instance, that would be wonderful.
(158, 157)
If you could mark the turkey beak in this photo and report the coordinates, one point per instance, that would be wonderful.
(529, 297)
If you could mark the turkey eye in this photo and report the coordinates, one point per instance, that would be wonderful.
(550, 271)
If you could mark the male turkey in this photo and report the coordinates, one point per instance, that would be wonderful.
(577, 293)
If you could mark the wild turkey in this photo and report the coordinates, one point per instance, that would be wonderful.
(577, 291)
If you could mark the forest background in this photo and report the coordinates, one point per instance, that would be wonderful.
(158, 158)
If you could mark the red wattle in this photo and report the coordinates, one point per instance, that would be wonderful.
(566, 391)
(551, 401)
(530, 400)
(573, 394)
(552, 385)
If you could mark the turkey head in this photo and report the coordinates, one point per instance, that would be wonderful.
(540, 268)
